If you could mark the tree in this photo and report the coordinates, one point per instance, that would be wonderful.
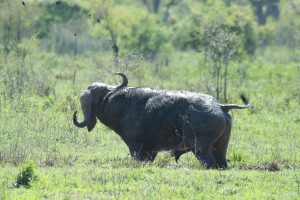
(238, 19)
(16, 21)
(60, 27)
(220, 45)
(152, 6)
(109, 20)
(167, 9)
(128, 28)
(264, 9)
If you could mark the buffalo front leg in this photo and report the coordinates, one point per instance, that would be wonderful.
(139, 152)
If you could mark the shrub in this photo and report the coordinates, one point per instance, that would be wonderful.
(235, 19)
(26, 176)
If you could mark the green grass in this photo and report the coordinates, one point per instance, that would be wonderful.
(95, 181)
(71, 163)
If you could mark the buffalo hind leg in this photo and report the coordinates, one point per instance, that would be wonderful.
(220, 149)
(205, 156)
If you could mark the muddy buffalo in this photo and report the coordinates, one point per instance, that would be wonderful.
(153, 120)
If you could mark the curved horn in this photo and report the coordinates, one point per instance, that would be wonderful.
(76, 123)
(86, 105)
(125, 80)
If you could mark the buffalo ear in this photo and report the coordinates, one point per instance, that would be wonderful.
(93, 119)
(92, 124)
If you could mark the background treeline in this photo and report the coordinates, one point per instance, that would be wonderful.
(148, 27)
(34, 35)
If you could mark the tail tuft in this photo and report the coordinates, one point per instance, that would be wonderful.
(244, 99)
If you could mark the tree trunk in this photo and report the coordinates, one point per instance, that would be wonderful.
(167, 10)
(218, 80)
(258, 9)
(147, 5)
(75, 47)
(115, 48)
(225, 79)
(272, 9)
(156, 5)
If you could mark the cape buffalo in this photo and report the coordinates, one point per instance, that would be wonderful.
(153, 120)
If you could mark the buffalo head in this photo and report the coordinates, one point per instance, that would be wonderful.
(93, 96)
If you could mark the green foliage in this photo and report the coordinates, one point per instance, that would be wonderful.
(288, 26)
(26, 176)
(234, 19)
(150, 37)
(21, 76)
(62, 28)
(53, 14)
(99, 24)
(131, 28)
(15, 23)
(221, 45)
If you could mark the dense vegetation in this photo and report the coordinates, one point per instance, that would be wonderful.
(51, 51)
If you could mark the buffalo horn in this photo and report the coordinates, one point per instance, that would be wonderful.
(76, 123)
(125, 80)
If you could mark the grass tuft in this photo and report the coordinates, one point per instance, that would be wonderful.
(26, 176)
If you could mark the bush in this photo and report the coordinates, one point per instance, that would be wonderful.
(234, 18)
(26, 176)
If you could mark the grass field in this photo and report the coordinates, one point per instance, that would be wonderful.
(36, 130)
